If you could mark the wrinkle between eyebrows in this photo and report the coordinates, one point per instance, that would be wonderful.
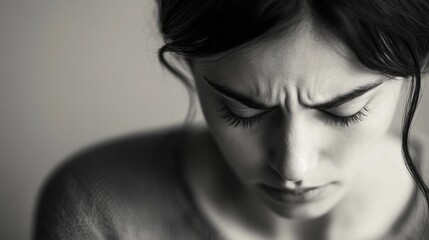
(312, 87)
(286, 99)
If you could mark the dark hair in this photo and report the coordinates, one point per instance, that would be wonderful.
(390, 37)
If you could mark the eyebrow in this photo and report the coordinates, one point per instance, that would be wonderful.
(225, 90)
(332, 103)
(347, 97)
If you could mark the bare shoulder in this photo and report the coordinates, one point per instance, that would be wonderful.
(99, 188)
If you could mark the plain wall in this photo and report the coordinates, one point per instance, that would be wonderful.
(73, 73)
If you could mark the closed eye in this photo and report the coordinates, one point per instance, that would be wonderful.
(235, 120)
(346, 121)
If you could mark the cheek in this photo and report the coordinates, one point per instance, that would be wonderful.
(245, 153)
(355, 149)
(243, 149)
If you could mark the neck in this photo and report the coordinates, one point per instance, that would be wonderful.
(378, 202)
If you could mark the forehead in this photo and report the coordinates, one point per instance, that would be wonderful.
(305, 62)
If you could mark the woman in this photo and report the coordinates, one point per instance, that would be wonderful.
(299, 97)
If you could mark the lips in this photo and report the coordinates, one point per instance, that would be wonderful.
(299, 195)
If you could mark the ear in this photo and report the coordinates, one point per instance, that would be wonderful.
(181, 67)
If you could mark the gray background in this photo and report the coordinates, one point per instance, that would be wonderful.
(73, 73)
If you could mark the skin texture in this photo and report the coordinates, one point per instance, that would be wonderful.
(293, 146)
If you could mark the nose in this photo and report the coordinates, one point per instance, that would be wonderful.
(294, 150)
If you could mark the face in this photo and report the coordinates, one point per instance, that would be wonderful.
(298, 119)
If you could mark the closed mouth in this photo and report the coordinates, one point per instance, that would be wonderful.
(299, 195)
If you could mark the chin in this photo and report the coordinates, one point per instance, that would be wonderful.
(300, 212)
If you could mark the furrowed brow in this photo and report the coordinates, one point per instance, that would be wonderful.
(347, 97)
(245, 100)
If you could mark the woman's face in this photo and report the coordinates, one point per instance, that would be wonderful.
(298, 119)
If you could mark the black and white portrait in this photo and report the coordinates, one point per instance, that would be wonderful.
(226, 119)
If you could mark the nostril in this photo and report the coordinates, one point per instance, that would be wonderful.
(287, 169)
(273, 162)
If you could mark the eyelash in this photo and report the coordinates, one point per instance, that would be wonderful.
(247, 123)
(346, 121)
(237, 121)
